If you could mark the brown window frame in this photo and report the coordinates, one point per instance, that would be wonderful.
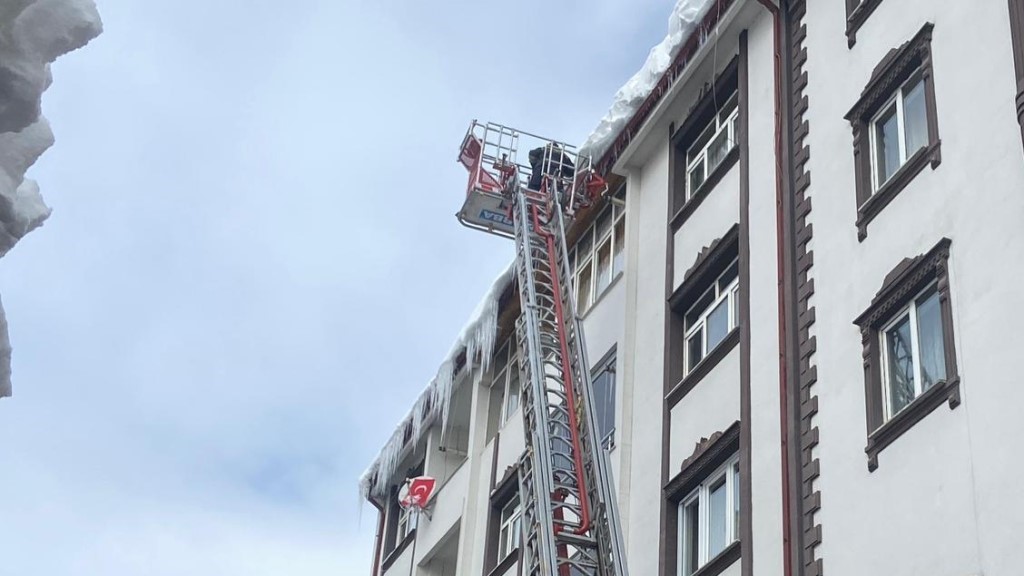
(710, 264)
(902, 285)
(898, 66)
(698, 118)
(708, 455)
(505, 490)
(1017, 39)
(857, 12)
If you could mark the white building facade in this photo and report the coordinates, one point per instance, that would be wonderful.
(798, 312)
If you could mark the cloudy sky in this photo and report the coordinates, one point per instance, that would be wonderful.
(253, 266)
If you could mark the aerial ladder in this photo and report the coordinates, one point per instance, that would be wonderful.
(570, 522)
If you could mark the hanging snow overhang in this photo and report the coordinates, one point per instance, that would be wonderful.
(470, 353)
(694, 49)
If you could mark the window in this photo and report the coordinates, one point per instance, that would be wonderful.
(895, 127)
(912, 355)
(603, 386)
(712, 317)
(709, 518)
(600, 254)
(505, 386)
(909, 356)
(510, 530)
(406, 522)
(703, 506)
(705, 315)
(899, 130)
(705, 147)
(712, 146)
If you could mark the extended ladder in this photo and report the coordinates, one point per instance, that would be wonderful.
(570, 518)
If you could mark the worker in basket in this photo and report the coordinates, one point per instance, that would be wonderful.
(549, 160)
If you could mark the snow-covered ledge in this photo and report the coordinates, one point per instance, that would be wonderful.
(33, 33)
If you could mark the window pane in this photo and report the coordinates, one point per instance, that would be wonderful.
(729, 275)
(718, 149)
(696, 177)
(691, 537)
(915, 118)
(583, 293)
(701, 142)
(695, 349)
(604, 400)
(512, 397)
(728, 108)
(583, 246)
(604, 224)
(717, 511)
(619, 257)
(901, 365)
(604, 266)
(929, 335)
(735, 502)
(718, 324)
(699, 307)
(887, 146)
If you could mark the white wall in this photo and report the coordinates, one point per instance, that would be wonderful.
(945, 499)
(719, 211)
(711, 406)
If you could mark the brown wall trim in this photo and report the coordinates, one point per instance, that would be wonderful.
(1017, 40)
(746, 460)
(802, 373)
(857, 12)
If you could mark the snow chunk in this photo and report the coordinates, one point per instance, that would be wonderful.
(627, 101)
(33, 33)
(477, 340)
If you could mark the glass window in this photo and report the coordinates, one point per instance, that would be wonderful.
(599, 255)
(603, 386)
(899, 130)
(511, 528)
(709, 150)
(712, 317)
(913, 352)
(709, 518)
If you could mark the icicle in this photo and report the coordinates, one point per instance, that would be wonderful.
(477, 340)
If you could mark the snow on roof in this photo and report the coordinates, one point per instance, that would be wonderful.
(33, 33)
(477, 341)
(629, 98)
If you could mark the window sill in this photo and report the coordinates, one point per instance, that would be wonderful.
(857, 18)
(394, 554)
(946, 391)
(505, 564)
(600, 297)
(719, 563)
(702, 192)
(680, 390)
(880, 199)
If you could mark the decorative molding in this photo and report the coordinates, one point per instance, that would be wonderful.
(894, 69)
(857, 12)
(803, 398)
(709, 263)
(900, 286)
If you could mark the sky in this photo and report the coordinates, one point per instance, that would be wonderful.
(253, 265)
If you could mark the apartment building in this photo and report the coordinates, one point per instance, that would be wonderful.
(798, 308)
